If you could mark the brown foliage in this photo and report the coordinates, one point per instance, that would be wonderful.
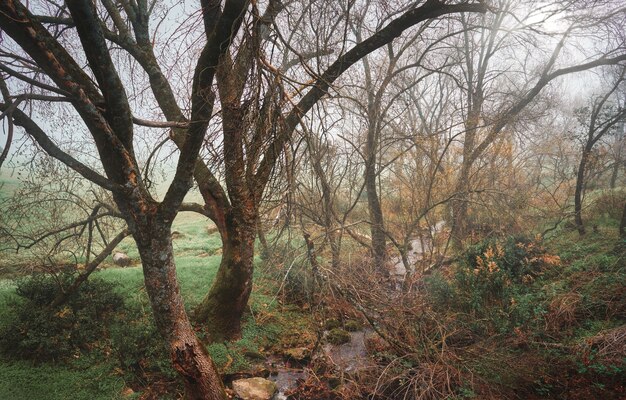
(562, 311)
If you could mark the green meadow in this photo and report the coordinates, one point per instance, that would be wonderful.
(100, 373)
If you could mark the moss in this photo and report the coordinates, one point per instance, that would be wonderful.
(228, 359)
(337, 336)
(331, 324)
(353, 326)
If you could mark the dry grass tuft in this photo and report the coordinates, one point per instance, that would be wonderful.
(609, 346)
(562, 311)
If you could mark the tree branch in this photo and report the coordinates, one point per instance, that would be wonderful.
(430, 9)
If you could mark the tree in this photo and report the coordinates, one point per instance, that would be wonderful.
(251, 150)
(255, 126)
(600, 119)
(495, 98)
(622, 225)
(105, 111)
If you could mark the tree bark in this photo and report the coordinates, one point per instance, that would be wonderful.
(614, 172)
(189, 357)
(578, 194)
(224, 305)
(622, 225)
(460, 209)
(377, 224)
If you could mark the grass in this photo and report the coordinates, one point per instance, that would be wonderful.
(570, 307)
(22, 380)
(98, 376)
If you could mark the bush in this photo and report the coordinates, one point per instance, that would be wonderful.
(353, 326)
(34, 331)
(491, 283)
(140, 350)
(608, 205)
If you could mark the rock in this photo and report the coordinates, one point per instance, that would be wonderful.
(254, 354)
(298, 353)
(177, 235)
(254, 388)
(121, 259)
(338, 336)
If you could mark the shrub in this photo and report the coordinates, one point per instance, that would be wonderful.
(32, 330)
(491, 282)
(608, 205)
(332, 324)
(353, 326)
(140, 350)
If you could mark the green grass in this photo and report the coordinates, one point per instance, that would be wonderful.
(95, 376)
(24, 381)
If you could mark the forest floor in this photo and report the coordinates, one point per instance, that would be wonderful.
(118, 366)
(557, 332)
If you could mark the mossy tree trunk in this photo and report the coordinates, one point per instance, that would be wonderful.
(189, 357)
(222, 309)
(578, 194)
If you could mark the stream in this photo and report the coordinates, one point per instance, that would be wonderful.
(418, 248)
(349, 357)
(352, 356)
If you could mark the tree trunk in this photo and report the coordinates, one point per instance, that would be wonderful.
(223, 307)
(189, 357)
(622, 225)
(460, 206)
(578, 194)
(614, 174)
(377, 225)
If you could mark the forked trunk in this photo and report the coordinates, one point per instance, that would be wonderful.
(189, 357)
(223, 307)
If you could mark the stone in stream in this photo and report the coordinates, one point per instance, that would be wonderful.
(351, 356)
(254, 388)
(298, 353)
(121, 259)
(337, 336)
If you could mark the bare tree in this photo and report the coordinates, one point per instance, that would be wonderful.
(493, 98)
(600, 119)
(251, 150)
(105, 111)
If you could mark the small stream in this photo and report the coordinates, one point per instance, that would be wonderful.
(352, 356)
(286, 379)
(349, 357)
(419, 247)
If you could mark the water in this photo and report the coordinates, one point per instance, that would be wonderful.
(419, 248)
(286, 379)
(351, 356)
